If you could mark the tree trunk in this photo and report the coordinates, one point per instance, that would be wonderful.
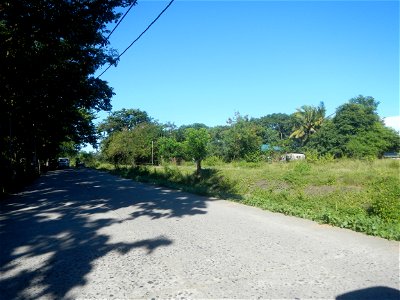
(198, 167)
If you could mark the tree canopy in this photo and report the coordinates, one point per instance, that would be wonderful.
(355, 131)
(308, 119)
(49, 51)
(243, 138)
(125, 119)
(196, 145)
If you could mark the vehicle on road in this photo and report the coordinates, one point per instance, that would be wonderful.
(63, 162)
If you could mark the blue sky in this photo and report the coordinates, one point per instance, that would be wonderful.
(204, 60)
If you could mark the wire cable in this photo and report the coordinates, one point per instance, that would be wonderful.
(140, 35)
(119, 22)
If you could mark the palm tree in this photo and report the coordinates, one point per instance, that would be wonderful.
(308, 120)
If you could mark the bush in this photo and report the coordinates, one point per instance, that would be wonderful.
(328, 157)
(173, 173)
(312, 155)
(302, 167)
(386, 203)
(354, 194)
(213, 161)
(253, 157)
(245, 164)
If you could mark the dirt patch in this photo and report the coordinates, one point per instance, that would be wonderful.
(320, 190)
(262, 184)
(351, 188)
(276, 186)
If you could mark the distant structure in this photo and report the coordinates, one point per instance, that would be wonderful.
(268, 147)
(293, 156)
(392, 155)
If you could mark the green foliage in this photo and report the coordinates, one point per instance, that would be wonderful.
(170, 149)
(296, 174)
(328, 157)
(68, 149)
(245, 164)
(276, 127)
(254, 157)
(123, 120)
(213, 161)
(386, 199)
(180, 133)
(312, 155)
(358, 115)
(173, 174)
(145, 136)
(133, 146)
(242, 138)
(208, 182)
(48, 55)
(371, 143)
(308, 119)
(302, 167)
(323, 140)
(327, 140)
(355, 131)
(218, 145)
(196, 144)
(89, 159)
(323, 192)
(119, 149)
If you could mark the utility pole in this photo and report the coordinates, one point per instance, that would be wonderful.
(152, 153)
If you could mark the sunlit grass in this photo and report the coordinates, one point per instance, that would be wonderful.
(359, 195)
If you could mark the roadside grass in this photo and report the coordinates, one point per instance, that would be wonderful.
(359, 195)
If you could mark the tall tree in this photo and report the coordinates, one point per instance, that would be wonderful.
(281, 123)
(242, 138)
(308, 119)
(218, 145)
(327, 140)
(124, 119)
(355, 131)
(170, 149)
(132, 146)
(49, 51)
(196, 145)
(180, 133)
(359, 114)
(361, 130)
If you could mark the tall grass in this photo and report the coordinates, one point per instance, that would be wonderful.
(360, 195)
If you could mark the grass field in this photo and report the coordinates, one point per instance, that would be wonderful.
(360, 195)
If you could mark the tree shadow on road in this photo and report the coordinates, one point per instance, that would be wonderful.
(209, 182)
(372, 293)
(52, 234)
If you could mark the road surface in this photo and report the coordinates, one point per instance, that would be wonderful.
(83, 234)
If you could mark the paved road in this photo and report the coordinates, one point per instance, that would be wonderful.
(82, 234)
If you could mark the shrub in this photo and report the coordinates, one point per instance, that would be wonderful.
(253, 157)
(213, 161)
(311, 155)
(245, 164)
(386, 203)
(328, 157)
(302, 167)
(173, 173)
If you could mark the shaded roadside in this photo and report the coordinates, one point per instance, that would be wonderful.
(50, 240)
(209, 182)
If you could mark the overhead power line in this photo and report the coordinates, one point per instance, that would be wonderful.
(119, 22)
(140, 35)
